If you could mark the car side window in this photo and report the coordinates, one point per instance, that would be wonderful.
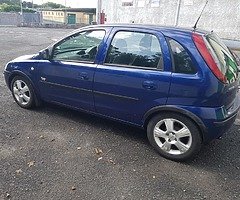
(135, 49)
(79, 47)
(182, 61)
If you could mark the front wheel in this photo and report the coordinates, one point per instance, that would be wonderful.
(174, 136)
(22, 92)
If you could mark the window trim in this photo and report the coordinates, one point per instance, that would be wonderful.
(172, 57)
(74, 34)
(75, 61)
(134, 66)
(131, 66)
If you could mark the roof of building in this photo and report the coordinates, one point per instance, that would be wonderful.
(85, 10)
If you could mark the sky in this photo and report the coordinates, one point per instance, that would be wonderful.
(72, 3)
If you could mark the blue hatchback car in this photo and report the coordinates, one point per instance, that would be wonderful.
(179, 84)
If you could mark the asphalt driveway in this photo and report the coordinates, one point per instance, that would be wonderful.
(56, 153)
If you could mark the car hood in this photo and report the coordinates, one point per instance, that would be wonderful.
(25, 57)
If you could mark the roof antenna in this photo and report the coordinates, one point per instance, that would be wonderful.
(195, 25)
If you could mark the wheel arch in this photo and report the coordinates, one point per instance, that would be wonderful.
(17, 73)
(22, 74)
(173, 109)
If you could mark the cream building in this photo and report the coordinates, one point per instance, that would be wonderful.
(69, 16)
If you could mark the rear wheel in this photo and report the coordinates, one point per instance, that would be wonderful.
(22, 92)
(174, 136)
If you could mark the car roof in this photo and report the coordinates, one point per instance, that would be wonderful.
(151, 27)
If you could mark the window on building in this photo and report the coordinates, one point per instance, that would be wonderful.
(79, 47)
(135, 49)
(181, 58)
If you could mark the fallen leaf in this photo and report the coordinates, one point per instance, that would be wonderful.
(31, 163)
(41, 136)
(78, 148)
(111, 161)
(154, 176)
(18, 171)
(100, 158)
(98, 151)
(73, 188)
(53, 140)
(8, 195)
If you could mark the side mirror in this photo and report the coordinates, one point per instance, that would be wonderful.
(44, 54)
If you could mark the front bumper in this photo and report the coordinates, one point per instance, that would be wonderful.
(7, 75)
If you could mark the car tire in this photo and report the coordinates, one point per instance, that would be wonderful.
(174, 136)
(23, 92)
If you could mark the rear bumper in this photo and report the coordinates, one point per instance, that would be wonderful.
(223, 121)
(226, 122)
(215, 121)
(221, 127)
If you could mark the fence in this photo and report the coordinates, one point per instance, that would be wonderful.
(16, 19)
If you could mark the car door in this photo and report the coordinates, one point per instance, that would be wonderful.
(134, 76)
(68, 77)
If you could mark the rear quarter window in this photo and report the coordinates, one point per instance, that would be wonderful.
(182, 61)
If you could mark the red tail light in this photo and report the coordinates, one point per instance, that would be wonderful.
(209, 59)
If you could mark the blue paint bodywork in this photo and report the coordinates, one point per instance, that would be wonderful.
(122, 93)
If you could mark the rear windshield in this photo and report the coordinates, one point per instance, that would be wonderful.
(225, 60)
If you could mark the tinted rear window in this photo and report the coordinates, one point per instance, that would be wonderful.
(181, 59)
(223, 57)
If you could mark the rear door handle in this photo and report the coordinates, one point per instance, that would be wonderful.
(149, 85)
(83, 76)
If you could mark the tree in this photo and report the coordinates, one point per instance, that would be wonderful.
(26, 4)
(52, 5)
(4, 7)
(14, 6)
(10, 2)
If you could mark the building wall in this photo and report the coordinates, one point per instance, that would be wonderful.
(53, 16)
(220, 15)
(59, 17)
(81, 18)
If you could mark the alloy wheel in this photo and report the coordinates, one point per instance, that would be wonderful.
(172, 136)
(21, 92)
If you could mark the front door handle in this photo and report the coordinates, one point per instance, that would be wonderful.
(83, 76)
(149, 85)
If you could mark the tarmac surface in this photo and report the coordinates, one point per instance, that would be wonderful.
(56, 153)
